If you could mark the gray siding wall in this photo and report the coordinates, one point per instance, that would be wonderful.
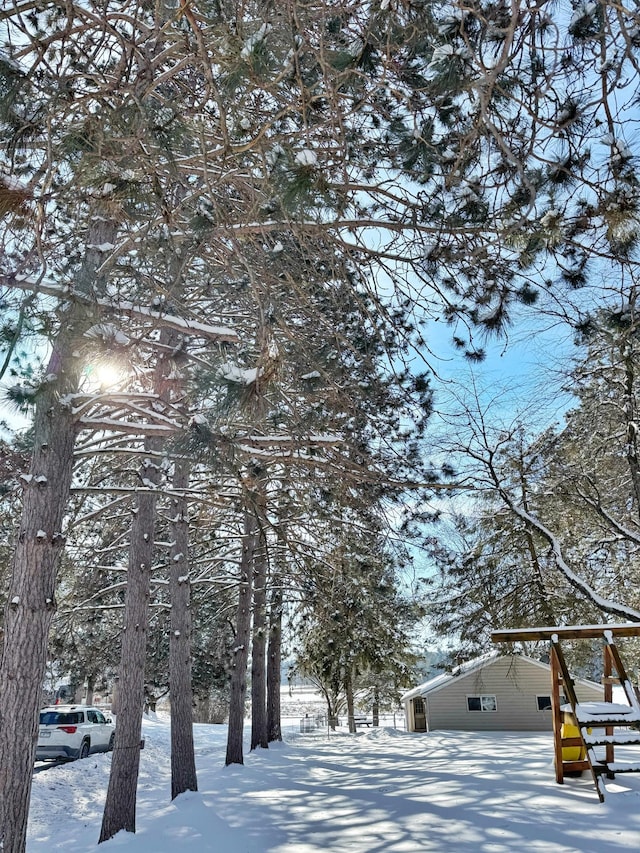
(514, 682)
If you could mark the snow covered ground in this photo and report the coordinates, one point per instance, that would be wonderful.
(380, 791)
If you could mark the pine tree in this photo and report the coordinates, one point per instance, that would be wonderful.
(354, 626)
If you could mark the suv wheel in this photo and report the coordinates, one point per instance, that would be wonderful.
(112, 740)
(84, 749)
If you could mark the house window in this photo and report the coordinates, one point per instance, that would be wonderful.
(482, 703)
(418, 705)
(544, 702)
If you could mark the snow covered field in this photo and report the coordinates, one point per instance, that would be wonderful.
(380, 791)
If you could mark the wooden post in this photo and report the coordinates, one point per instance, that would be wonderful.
(608, 696)
(556, 682)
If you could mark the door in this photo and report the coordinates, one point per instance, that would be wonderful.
(100, 731)
(419, 714)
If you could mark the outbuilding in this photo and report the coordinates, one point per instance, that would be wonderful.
(490, 693)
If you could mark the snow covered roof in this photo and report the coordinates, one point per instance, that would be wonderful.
(444, 678)
(471, 666)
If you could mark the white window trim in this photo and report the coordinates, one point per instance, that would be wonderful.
(482, 696)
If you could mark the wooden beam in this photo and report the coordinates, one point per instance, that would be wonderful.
(566, 632)
(556, 683)
(607, 679)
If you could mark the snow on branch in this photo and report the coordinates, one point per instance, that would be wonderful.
(170, 321)
(127, 491)
(130, 309)
(108, 333)
(619, 529)
(82, 403)
(605, 604)
(286, 441)
(96, 513)
(231, 372)
(128, 427)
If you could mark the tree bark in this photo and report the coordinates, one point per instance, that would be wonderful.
(183, 762)
(274, 661)
(375, 709)
(332, 710)
(259, 645)
(120, 805)
(31, 597)
(348, 687)
(631, 424)
(31, 604)
(241, 651)
(88, 695)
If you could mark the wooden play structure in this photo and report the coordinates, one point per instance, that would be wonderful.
(578, 731)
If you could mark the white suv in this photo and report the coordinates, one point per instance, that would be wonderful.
(73, 731)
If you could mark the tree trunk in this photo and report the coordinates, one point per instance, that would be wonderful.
(241, 651)
(538, 574)
(202, 710)
(348, 687)
(630, 421)
(183, 762)
(31, 604)
(274, 660)
(114, 697)
(259, 647)
(375, 709)
(31, 595)
(333, 707)
(88, 694)
(120, 805)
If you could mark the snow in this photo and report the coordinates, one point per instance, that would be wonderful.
(583, 10)
(9, 181)
(607, 709)
(379, 791)
(278, 439)
(102, 247)
(619, 737)
(593, 712)
(170, 321)
(307, 157)
(445, 677)
(108, 333)
(231, 372)
(254, 40)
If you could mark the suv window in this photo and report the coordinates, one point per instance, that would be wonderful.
(53, 718)
(49, 718)
(72, 718)
(95, 717)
